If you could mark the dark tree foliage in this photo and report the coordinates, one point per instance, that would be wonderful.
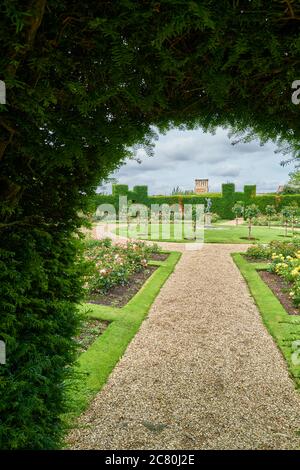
(85, 81)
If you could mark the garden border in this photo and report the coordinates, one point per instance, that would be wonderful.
(95, 365)
(282, 326)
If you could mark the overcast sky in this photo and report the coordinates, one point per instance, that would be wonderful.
(182, 156)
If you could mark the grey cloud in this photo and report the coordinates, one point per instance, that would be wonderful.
(182, 156)
(231, 171)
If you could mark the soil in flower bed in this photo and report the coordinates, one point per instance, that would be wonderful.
(91, 329)
(256, 260)
(247, 238)
(119, 296)
(159, 256)
(280, 287)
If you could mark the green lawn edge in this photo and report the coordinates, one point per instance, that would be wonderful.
(94, 366)
(224, 235)
(284, 328)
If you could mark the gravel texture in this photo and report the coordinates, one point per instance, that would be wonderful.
(202, 372)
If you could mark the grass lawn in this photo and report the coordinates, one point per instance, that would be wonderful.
(95, 365)
(239, 234)
(219, 234)
(284, 328)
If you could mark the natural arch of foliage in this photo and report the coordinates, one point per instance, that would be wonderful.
(85, 81)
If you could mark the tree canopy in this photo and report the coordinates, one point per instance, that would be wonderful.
(85, 82)
(293, 185)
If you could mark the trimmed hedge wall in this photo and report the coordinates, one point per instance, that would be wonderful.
(279, 201)
(249, 191)
(221, 202)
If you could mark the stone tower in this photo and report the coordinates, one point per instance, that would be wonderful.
(201, 186)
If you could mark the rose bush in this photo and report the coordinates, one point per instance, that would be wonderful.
(284, 260)
(288, 267)
(112, 265)
(265, 251)
(259, 251)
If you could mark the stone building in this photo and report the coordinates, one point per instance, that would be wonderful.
(201, 186)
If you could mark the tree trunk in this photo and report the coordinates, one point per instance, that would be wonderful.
(249, 228)
(286, 226)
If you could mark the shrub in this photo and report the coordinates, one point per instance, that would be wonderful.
(44, 273)
(112, 265)
(259, 252)
(261, 220)
(215, 218)
(285, 248)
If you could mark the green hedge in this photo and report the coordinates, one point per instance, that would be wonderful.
(249, 191)
(279, 201)
(221, 202)
(39, 285)
(228, 200)
(119, 189)
(141, 191)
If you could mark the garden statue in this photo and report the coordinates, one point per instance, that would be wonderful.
(207, 210)
(208, 205)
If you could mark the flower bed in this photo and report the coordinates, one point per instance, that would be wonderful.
(288, 268)
(265, 252)
(284, 260)
(280, 289)
(115, 265)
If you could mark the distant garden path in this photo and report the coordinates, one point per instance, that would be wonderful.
(202, 373)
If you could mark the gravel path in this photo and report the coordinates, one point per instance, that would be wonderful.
(233, 222)
(202, 373)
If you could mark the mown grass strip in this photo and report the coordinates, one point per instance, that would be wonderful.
(284, 328)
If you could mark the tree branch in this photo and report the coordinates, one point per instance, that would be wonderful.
(290, 8)
(5, 143)
(38, 8)
(29, 220)
(36, 20)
